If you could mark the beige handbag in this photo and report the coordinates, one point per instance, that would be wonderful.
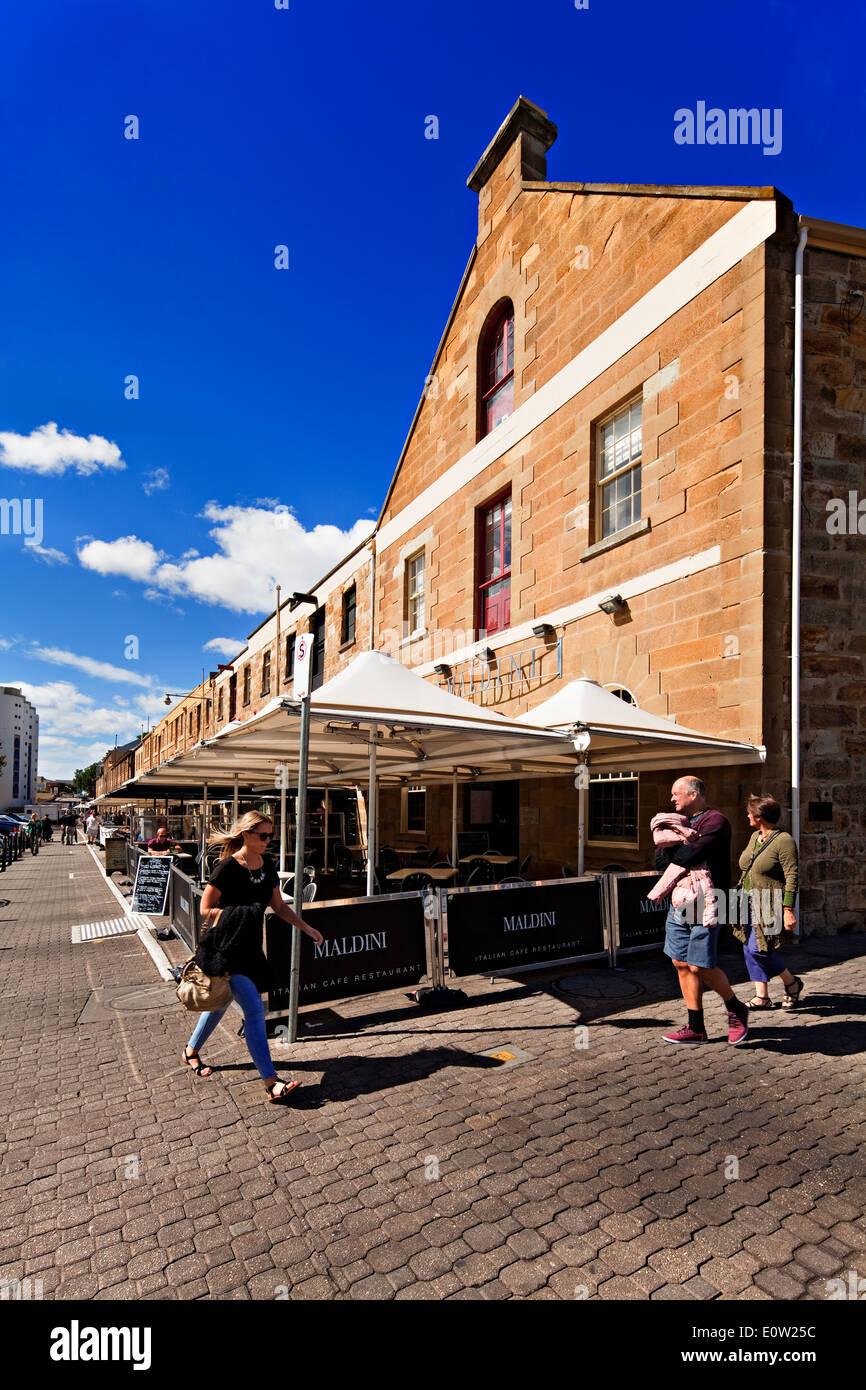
(199, 992)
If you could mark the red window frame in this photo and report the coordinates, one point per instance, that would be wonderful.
(494, 564)
(496, 367)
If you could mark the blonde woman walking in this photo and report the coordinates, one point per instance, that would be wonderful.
(243, 884)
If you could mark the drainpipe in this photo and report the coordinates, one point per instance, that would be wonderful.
(796, 539)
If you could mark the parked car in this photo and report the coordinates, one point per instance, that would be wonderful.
(9, 825)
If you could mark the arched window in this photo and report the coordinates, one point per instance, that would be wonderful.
(496, 368)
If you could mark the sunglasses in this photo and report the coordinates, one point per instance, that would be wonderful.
(262, 834)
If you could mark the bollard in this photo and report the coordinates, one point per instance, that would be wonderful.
(3, 856)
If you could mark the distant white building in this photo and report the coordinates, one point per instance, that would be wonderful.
(19, 745)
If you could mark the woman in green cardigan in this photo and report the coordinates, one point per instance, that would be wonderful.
(769, 878)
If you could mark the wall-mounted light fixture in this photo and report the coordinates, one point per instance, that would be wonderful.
(442, 669)
(301, 598)
(614, 603)
(545, 631)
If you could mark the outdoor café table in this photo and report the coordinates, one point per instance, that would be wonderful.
(500, 860)
(437, 875)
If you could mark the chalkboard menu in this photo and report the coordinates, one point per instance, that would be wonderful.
(115, 856)
(150, 891)
(640, 923)
(498, 929)
(368, 946)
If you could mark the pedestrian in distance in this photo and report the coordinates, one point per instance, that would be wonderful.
(243, 884)
(47, 830)
(693, 946)
(769, 882)
(34, 831)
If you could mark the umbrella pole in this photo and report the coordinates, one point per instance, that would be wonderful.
(581, 829)
(203, 830)
(454, 819)
(300, 841)
(283, 780)
(372, 816)
(327, 821)
(235, 799)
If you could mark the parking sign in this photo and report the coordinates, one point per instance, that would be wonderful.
(303, 649)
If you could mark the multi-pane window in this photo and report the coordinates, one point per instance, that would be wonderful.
(619, 460)
(415, 592)
(494, 588)
(496, 370)
(266, 673)
(220, 707)
(317, 656)
(246, 696)
(347, 621)
(290, 658)
(612, 808)
(414, 809)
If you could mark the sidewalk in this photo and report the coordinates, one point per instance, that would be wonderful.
(603, 1165)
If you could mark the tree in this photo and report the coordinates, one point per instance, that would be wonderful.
(84, 779)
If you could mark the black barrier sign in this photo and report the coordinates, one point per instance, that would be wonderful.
(150, 890)
(115, 856)
(185, 899)
(368, 946)
(641, 922)
(501, 928)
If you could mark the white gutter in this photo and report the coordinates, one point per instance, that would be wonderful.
(796, 558)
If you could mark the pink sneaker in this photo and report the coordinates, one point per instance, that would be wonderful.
(738, 1028)
(684, 1035)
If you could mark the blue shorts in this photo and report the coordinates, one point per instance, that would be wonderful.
(696, 945)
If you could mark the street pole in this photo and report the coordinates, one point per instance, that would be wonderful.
(300, 838)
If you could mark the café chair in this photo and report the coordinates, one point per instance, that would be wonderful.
(481, 871)
(389, 860)
(567, 872)
(524, 866)
(309, 892)
(413, 882)
(515, 878)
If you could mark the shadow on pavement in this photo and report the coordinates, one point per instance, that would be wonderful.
(345, 1078)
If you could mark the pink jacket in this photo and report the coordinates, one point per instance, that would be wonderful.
(685, 886)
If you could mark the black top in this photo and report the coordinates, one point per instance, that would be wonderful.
(234, 945)
(242, 887)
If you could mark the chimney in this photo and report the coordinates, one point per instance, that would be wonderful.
(516, 154)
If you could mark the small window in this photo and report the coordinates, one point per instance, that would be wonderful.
(618, 471)
(317, 655)
(290, 658)
(622, 693)
(494, 546)
(220, 707)
(266, 673)
(496, 369)
(246, 694)
(612, 809)
(347, 623)
(414, 810)
(414, 614)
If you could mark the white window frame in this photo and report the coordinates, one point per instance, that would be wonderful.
(413, 595)
(630, 466)
(404, 810)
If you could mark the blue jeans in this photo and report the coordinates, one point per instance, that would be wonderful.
(255, 1034)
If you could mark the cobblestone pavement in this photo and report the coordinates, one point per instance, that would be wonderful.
(412, 1166)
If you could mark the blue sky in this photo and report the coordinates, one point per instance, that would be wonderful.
(260, 387)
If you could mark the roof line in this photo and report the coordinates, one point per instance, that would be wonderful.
(656, 190)
(437, 354)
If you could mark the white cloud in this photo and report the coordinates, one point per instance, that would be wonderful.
(255, 548)
(47, 450)
(103, 670)
(5, 644)
(129, 556)
(225, 646)
(48, 554)
(73, 729)
(157, 481)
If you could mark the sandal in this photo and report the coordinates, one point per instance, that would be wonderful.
(278, 1097)
(760, 1001)
(191, 1058)
(791, 1000)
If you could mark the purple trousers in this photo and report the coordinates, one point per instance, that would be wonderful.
(762, 965)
